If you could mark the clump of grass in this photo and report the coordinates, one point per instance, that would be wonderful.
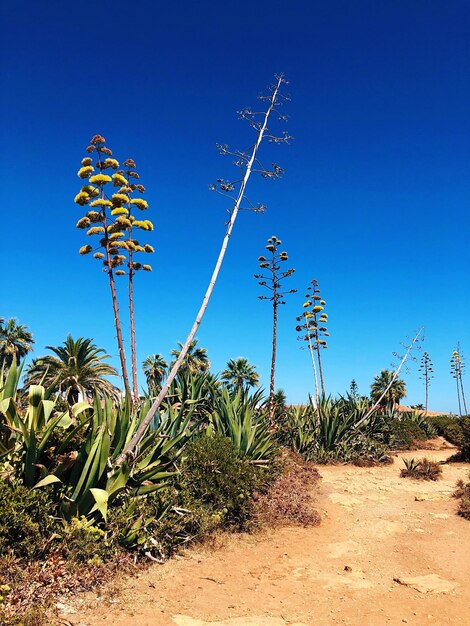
(463, 494)
(289, 500)
(422, 469)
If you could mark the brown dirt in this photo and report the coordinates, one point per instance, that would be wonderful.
(389, 550)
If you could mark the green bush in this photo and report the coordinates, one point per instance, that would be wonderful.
(27, 520)
(403, 432)
(213, 476)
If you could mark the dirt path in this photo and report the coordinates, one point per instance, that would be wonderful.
(376, 528)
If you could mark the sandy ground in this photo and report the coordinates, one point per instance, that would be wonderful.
(377, 528)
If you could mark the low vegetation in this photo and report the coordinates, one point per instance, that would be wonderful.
(422, 469)
(463, 494)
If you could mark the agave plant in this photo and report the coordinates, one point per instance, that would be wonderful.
(236, 416)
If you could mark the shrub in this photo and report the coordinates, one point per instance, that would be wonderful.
(403, 433)
(423, 469)
(214, 476)
(27, 520)
(463, 494)
(289, 499)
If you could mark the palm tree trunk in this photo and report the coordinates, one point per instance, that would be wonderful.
(205, 302)
(273, 361)
(132, 323)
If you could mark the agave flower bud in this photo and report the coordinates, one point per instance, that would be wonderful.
(98, 255)
(264, 265)
(83, 223)
(316, 298)
(148, 248)
(106, 151)
(82, 198)
(306, 304)
(97, 139)
(100, 179)
(262, 258)
(322, 302)
(85, 250)
(133, 175)
(147, 268)
(90, 149)
(87, 161)
(120, 273)
(270, 247)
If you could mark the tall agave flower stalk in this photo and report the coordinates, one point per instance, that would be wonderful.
(107, 221)
(456, 369)
(132, 246)
(247, 163)
(427, 373)
(272, 281)
(314, 330)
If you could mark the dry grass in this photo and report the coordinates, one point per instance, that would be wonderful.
(290, 498)
(463, 494)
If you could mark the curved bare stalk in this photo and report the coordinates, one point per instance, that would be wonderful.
(197, 322)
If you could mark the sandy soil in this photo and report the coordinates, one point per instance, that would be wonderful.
(377, 529)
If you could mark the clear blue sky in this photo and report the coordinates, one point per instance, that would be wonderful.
(374, 202)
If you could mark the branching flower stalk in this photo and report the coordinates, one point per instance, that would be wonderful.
(427, 373)
(132, 246)
(396, 373)
(99, 221)
(315, 320)
(272, 281)
(457, 367)
(247, 161)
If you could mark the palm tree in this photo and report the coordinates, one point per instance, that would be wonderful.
(155, 369)
(395, 392)
(196, 359)
(15, 342)
(240, 374)
(77, 368)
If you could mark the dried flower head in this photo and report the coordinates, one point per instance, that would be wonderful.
(87, 161)
(148, 248)
(147, 268)
(97, 139)
(98, 255)
(85, 250)
(96, 230)
(94, 217)
(119, 199)
(120, 273)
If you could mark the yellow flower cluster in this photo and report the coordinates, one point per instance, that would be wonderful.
(101, 202)
(123, 222)
(148, 248)
(120, 211)
(140, 203)
(147, 268)
(85, 250)
(119, 180)
(96, 230)
(98, 255)
(90, 190)
(94, 216)
(83, 223)
(100, 179)
(120, 273)
(87, 161)
(317, 309)
(119, 198)
(143, 224)
(111, 163)
(117, 235)
(82, 198)
(84, 172)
